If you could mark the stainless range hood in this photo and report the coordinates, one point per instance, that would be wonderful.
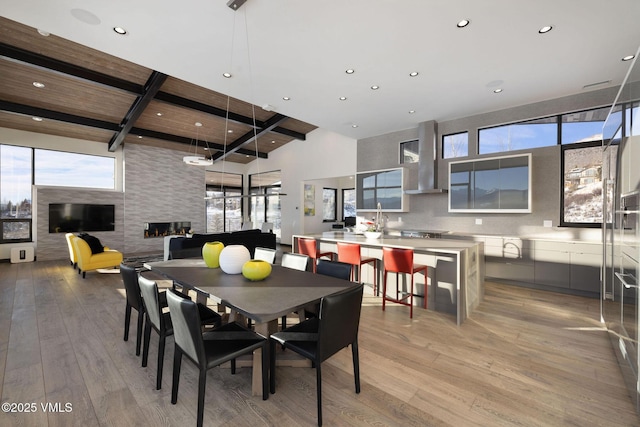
(427, 162)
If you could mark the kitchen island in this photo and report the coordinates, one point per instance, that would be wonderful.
(456, 268)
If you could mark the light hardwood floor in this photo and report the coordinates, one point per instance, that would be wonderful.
(525, 358)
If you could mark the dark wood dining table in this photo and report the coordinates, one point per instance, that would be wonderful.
(284, 291)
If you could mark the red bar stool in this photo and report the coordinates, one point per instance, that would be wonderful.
(398, 260)
(350, 254)
(309, 248)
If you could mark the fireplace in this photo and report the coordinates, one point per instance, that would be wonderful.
(161, 229)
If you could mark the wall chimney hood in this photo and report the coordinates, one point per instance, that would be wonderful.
(427, 162)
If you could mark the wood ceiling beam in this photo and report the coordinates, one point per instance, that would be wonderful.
(46, 63)
(252, 135)
(151, 88)
(27, 110)
(188, 141)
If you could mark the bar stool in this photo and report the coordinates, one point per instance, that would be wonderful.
(350, 253)
(309, 248)
(398, 260)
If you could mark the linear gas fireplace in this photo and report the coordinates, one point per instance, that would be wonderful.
(161, 229)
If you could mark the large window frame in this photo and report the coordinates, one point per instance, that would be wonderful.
(348, 203)
(455, 145)
(265, 204)
(515, 136)
(329, 204)
(224, 193)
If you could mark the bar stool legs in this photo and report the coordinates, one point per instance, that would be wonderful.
(398, 260)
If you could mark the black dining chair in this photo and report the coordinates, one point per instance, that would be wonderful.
(337, 269)
(134, 302)
(210, 349)
(161, 322)
(319, 338)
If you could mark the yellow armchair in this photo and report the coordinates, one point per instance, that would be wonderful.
(88, 261)
(72, 250)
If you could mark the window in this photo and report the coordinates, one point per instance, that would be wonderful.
(266, 208)
(519, 136)
(455, 145)
(15, 193)
(329, 205)
(409, 152)
(583, 126)
(582, 184)
(73, 169)
(224, 208)
(348, 203)
(384, 187)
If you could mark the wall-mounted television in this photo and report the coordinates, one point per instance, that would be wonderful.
(76, 217)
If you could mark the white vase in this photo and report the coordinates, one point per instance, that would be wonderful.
(233, 257)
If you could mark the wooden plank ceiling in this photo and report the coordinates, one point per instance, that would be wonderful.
(91, 95)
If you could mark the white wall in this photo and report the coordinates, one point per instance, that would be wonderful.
(323, 154)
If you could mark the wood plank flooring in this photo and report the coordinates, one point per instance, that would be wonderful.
(525, 358)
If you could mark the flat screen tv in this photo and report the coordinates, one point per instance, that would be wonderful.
(77, 217)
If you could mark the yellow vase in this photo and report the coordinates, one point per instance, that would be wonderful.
(211, 253)
(256, 269)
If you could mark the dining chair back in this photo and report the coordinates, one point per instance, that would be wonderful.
(156, 320)
(207, 351)
(399, 260)
(134, 302)
(265, 254)
(295, 261)
(307, 246)
(321, 337)
(338, 269)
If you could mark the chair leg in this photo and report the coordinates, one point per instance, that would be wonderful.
(202, 383)
(127, 319)
(384, 289)
(177, 362)
(233, 366)
(319, 391)
(272, 365)
(160, 361)
(145, 347)
(139, 331)
(411, 299)
(284, 322)
(356, 364)
(265, 371)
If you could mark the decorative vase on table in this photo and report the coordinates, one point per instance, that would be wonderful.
(256, 269)
(233, 257)
(211, 253)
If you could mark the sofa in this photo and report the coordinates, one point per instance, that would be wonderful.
(191, 247)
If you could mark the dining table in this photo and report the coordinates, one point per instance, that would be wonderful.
(265, 301)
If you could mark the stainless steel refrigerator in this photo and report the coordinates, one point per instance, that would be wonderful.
(621, 230)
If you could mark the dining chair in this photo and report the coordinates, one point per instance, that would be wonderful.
(319, 338)
(134, 302)
(351, 254)
(265, 254)
(307, 246)
(210, 349)
(398, 260)
(295, 262)
(337, 269)
(159, 321)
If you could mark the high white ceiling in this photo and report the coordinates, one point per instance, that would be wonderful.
(301, 49)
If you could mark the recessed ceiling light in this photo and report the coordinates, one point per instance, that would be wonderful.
(159, 114)
(354, 126)
(413, 74)
(497, 90)
(230, 131)
(198, 124)
(44, 33)
(120, 30)
(286, 98)
(545, 29)
(628, 57)
(375, 87)
(350, 71)
(343, 98)
(273, 141)
(412, 111)
(463, 23)
(38, 85)
(139, 136)
(226, 75)
(37, 119)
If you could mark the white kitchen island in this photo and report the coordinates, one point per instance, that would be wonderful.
(456, 268)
